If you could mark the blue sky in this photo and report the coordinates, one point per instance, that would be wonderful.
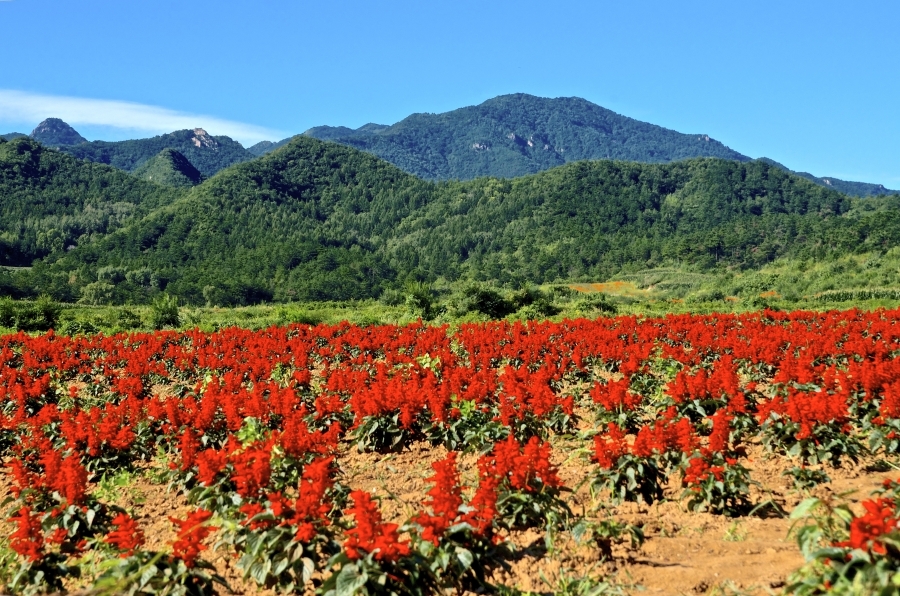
(814, 85)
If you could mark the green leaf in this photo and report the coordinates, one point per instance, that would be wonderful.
(803, 509)
(465, 557)
(350, 579)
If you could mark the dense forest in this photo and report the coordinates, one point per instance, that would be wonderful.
(317, 220)
(50, 202)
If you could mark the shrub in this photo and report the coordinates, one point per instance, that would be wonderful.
(164, 312)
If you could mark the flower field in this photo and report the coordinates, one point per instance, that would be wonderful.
(416, 459)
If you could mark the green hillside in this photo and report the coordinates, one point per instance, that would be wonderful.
(303, 222)
(50, 201)
(12, 135)
(169, 167)
(519, 134)
(209, 154)
(317, 220)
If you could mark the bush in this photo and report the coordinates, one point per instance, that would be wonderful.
(164, 312)
(40, 315)
(485, 301)
(128, 319)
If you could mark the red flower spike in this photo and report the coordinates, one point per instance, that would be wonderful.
(191, 534)
(127, 536)
(371, 535)
(28, 539)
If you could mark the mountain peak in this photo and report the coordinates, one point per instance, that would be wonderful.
(202, 138)
(516, 134)
(169, 167)
(54, 132)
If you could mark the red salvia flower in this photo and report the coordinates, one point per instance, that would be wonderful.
(608, 449)
(252, 470)
(191, 534)
(210, 464)
(28, 539)
(880, 518)
(127, 536)
(371, 535)
(446, 499)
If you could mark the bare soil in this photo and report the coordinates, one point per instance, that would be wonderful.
(683, 553)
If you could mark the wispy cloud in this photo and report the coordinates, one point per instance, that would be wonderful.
(22, 106)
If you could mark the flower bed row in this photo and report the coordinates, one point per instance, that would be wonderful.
(251, 424)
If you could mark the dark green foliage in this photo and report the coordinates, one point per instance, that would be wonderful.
(519, 134)
(53, 132)
(40, 315)
(207, 153)
(170, 168)
(12, 135)
(50, 202)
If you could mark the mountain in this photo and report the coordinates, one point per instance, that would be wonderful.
(12, 135)
(53, 132)
(304, 222)
(854, 189)
(209, 154)
(262, 148)
(50, 202)
(169, 167)
(519, 134)
(317, 220)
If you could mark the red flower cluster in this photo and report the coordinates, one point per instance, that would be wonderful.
(28, 539)
(191, 534)
(127, 536)
(371, 535)
(445, 501)
(699, 470)
(525, 468)
(879, 519)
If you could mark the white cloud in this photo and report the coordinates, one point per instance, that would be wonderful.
(22, 106)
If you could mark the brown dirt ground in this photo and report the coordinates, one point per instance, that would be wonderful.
(684, 553)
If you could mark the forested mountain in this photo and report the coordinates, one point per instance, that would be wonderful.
(519, 134)
(854, 189)
(169, 167)
(12, 135)
(207, 153)
(318, 220)
(262, 148)
(303, 222)
(50, 201)
(53, 132)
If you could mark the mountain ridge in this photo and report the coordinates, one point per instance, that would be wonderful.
(207, 153)
(317, 220)
(518, 134)
(856, 189)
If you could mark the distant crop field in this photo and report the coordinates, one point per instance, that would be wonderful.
(616, 288)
